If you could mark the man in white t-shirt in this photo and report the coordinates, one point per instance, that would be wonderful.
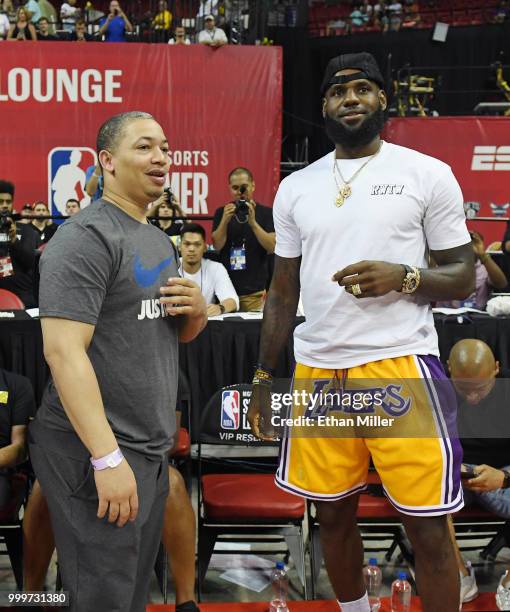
(353, 231)
(69, 13)
(211, 35)
(210, 276)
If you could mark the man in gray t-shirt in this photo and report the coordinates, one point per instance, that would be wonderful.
(112, 312)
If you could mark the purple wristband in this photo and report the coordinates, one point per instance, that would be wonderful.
(112, 460)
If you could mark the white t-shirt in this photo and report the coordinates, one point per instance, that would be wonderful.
(68, 13)
(213, 280)
(187, 41)
(216, 35)
(4, 25)
(423, 205)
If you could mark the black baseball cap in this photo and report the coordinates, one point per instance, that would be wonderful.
(364, 62)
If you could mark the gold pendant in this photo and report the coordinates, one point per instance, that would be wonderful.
(343, 194)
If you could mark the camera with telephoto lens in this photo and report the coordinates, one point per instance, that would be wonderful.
(242, 205)
(169, 198)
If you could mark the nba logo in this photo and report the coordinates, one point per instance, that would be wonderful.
(230, 410)
(66, 176)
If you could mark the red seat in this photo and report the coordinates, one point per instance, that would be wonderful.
(248, 496)
(182, 449)
(10, 301)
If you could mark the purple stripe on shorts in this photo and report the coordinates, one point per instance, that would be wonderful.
(448, 409)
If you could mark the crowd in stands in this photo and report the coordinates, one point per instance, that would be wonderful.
(326, 19)
(40, 20)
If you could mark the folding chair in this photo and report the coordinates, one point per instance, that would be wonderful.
(11, 532)
(237, 494)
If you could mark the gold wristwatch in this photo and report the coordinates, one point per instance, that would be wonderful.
(411, 280)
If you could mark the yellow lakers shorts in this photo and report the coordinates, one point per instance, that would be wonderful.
(400, 412)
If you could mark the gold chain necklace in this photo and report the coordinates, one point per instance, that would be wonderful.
(345, 189)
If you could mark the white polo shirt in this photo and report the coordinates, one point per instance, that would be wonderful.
(213, 280)
(402, 203)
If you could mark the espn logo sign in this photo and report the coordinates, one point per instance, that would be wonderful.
(491, 158)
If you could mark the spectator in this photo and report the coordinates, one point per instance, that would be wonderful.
(395, 14)
(69, 13)
(44, 228)
(162, 22)
(381, 16)
(211, 35)
(411, 15)
(17, 250)
(501, 12)
(167, 210)
(26, 215)
(358, 18)
(72, 207)
(243, 234)
(80, 32)
(210, 276)
(5, 25)
(488, 276)
(115, 26)
(17, 405)
(7, 7)
(180, 37)
(22, 29)
(94, 182)
(482, 416)
(34, 10)
(44, 30)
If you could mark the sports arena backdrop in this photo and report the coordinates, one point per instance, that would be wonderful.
(478, 150)
(219, 108)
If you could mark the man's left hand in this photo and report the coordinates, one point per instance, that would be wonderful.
(182, 296)
(487, 479)
(375, 278)
(213, 310)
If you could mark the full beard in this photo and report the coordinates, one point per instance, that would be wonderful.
(358, 136)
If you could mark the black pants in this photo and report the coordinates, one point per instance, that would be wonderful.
(105, 568)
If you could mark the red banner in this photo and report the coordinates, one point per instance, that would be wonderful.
(219, 108)
(478, 150)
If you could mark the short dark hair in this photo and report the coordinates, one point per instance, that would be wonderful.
(193, 228)
(112, 129)
(79, 22)
(240, 170)
(74, 200)
(43, 18)
(7, 187)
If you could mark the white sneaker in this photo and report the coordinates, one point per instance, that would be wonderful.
(468, 586)
(503, 594)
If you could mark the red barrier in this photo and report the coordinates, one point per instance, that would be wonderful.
(477, 149)
(219, 108)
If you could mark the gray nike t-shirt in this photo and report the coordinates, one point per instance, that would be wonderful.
(105, 268)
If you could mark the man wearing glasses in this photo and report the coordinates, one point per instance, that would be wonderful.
(243, 234)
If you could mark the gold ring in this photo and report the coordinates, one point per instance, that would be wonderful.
(356, 289)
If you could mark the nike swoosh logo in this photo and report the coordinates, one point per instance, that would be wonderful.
(145, 277)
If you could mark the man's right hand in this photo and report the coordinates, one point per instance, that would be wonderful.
(117, 492)
(260, 412)
(228, 213)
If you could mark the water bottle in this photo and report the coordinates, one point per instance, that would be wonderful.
(373, 579)
(401, 594)
(280, 584)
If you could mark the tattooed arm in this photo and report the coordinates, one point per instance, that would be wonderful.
(279, 315)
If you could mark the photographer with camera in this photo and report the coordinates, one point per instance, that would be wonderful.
(114, 27)
(167, 207)
(243, 234)
(17, 250)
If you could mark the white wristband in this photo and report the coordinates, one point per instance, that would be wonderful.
(112, 460)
